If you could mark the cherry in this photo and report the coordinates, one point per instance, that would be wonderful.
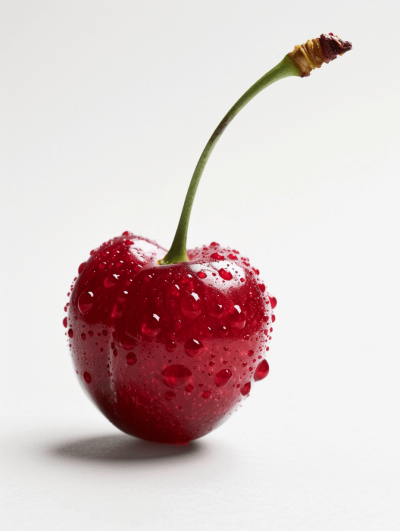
(168, 344)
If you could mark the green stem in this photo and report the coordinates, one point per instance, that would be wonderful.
(177, 252)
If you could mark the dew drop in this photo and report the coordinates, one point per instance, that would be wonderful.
(170, 395)
(223, 331)
(71, 333)
(151, 325)
(232, 256)
(222, 377)
(85, 302)
(109, 282)
(206, 394)
(193, 347)
(226, 275)
(261, 371)
(273, 318)
(201, 274)
(262, 287)
(238, 319)
(217, 256)
(65, 322)
(176, 376)
(83, 336)
(191, 305)
(250, 353)
(87, 377)
(115, 353)
(131, 358)
(273, 302)
(81, 267)
(189, 388)
(170, 346)
(245, 390)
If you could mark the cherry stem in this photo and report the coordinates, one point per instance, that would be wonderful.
(177, 253)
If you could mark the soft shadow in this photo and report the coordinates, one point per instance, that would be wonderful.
(115, 448)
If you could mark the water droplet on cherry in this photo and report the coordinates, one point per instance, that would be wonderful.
(170, 395)
(176, 376)
(87, 377)
(191, 305)
(71, 333)
(222, 377)
(193, 347)
(151, 325)
(131, 358)
(65, 322)
(273, 301)
(245, 390)
(81, 267)
(261, 371)
(217, 256)
(238, 319)
(226, 275)
(85, 302)
(201, 274)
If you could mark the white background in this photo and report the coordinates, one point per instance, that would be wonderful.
(105, 108)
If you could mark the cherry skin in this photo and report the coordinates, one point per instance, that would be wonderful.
(168, 352)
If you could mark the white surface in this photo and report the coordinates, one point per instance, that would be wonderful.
(105, 109)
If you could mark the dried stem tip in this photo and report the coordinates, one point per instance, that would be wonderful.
(314, 53)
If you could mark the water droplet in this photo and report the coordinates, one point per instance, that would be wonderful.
(81, 267)
(191, 305)
(217, 256)
(261, 371)
(206, 394)
(83, 336)
(226, 275)
(170, 346)
(115, 353)
(273, 301)
(71, 332)
(170, 395)
(110, 281)
(223, 331)
(222, 377)
(201, 274)
(90, 333)
(126, 233)
(131, 358)
(238, 319)
(151, 325)
(127, 344)
(65, 322)
(250, 353)
(85, 302)
(273, 318)
(245, 390)
(189, 388)
(262, 287)
(232, 256)
(176, 376)
(87, 377)
(216, 309)
(193, 347)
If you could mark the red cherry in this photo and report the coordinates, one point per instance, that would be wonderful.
(143, 371)
(162, 341)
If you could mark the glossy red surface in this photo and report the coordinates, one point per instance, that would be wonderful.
(167, 353)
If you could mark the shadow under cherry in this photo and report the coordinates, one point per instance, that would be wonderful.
(120, 448)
